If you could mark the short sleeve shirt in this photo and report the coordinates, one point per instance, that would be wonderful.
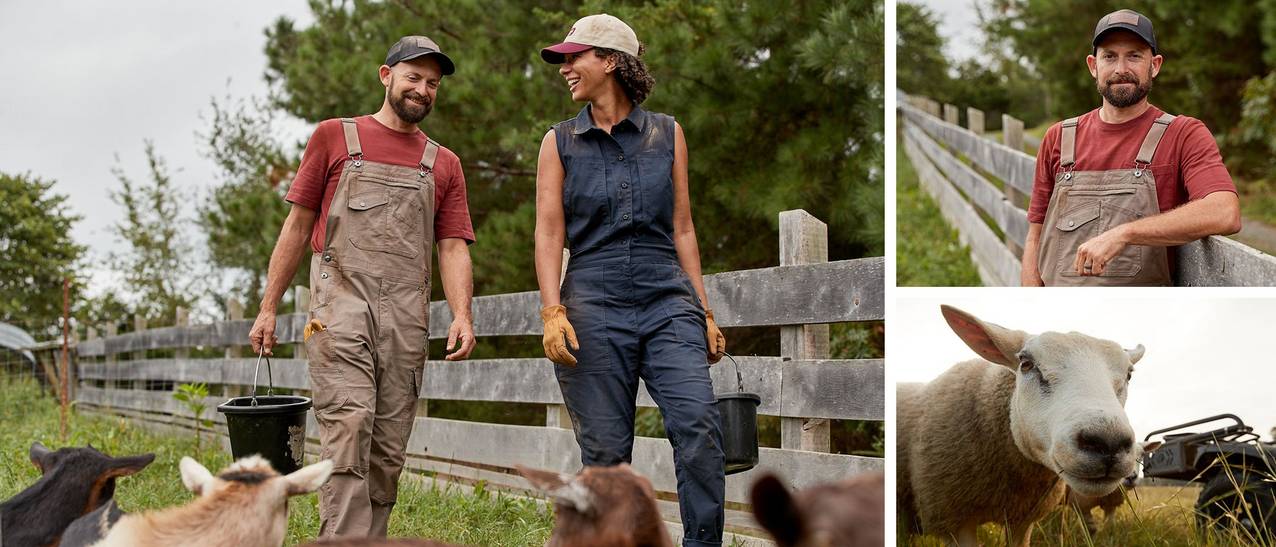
(325, 157)
(1187, 165)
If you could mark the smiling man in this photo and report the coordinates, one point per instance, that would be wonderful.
(1118, 185)
(372, 196)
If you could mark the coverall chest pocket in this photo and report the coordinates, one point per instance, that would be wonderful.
(655, 170)
(1095, 212)
(585, 192)
(387, 216)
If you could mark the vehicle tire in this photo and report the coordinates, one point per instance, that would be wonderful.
(1239, 504)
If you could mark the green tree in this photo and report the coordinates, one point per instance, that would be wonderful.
(921, 68)
(158, 264)
(36, 252)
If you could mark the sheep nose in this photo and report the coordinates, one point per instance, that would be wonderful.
(1103, 444)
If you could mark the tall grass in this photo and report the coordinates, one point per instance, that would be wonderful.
(446, 514)
(928, 252)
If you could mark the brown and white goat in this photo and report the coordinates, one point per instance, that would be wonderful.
(75, 481)
(601, 506)
(245, 505)
(849, 513)
(377, 542)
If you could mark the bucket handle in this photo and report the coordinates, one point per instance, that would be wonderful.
(739, 380)
(270, 391)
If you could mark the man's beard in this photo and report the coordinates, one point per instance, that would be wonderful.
(408, 111)
(1122, 97)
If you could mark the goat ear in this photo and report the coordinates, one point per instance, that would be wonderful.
(1149, 446)
(544, 481)
(560, 487)
(992, 342)
(195, 476)
(1135, 354)
(774, 509)
(309, 478)
(127, 466)
(38, 453)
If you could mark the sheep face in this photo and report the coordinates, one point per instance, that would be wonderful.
(1067, 411)
(255, 490)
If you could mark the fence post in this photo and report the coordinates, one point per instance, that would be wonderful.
(139, 326)
(301, 301)
(90, 333)
(1012, 137)
(556, 415)
(234, 312)
(951, 114)
(804, 240)
(112, 329)
(975, 120)
(183, 320)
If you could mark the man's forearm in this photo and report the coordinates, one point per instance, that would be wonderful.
(1215, 214)
(456, 271)
(1029, 275)
(293, 240)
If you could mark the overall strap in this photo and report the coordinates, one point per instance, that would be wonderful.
(352, 137)
(430, 154)
(1153, 139)
(1068, 143)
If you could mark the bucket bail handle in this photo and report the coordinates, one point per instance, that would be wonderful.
(739, 380)
(270, 391)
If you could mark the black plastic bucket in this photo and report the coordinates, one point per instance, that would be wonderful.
(273, 426)
(739, 412)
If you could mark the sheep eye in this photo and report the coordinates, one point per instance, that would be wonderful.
(1025, 366)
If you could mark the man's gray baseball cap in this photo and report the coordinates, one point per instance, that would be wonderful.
(1125, 19)
(412, 47)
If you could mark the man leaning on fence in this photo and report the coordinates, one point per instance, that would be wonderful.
(372, 196)
(1118, 185)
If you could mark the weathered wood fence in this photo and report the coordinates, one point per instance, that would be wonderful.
(982, 188)
(803, 387)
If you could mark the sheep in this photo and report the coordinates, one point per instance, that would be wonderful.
(602, 506)
(245, 505)
(74, 481)
(377, 542)
(1083, 505)
(996, 439)
(849, 513)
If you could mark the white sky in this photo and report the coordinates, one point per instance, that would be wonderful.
(83, 81)
(1208, 351)
(958, 25)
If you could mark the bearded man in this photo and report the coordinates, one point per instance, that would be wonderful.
(372, 196)
(1117, 186)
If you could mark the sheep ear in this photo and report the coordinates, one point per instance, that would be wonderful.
(38, 453)
(560, 487)
(195, 476)
(774, 510)
(309, 478)
(120, 467)
(1135, 354)
(992, 342)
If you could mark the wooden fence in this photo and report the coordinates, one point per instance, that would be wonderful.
(982, 188)
(804, 387)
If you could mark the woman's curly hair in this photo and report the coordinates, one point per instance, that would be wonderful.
(631, 72)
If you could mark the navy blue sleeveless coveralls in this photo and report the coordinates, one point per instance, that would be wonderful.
(635, 311)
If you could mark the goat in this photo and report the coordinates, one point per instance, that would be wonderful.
(602, 506)
(850, 513)
(74, 481)
(245, 505)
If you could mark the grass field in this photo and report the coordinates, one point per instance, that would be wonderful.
(481, 518)
(927, 251)
(1152, 516)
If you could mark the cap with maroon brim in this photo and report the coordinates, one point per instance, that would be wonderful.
(557, 53)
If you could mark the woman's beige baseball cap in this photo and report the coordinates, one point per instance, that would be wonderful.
(592, 31)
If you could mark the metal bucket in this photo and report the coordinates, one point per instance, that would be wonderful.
(739, 412)
(273, 426)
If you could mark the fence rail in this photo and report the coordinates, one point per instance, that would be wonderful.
(985, 198)
(803, 387)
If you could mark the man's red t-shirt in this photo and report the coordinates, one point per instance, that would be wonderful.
(1186, 165)
(325, 158)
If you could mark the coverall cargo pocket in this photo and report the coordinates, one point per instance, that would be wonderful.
(327, 381)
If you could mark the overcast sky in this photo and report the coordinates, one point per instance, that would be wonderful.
(1207, 352)
(958, 25)
(85, 81)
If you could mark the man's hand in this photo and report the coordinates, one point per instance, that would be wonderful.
(262, 335)
(717, 342)
(558, 333)
(1093, 255)
(462, 330)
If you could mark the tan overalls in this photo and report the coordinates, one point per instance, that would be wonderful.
(371, 290)
(1087, 203)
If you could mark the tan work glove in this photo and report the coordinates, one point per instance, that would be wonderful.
(558, 332)
(717, 342)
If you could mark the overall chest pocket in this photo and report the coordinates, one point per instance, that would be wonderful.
(1095, 212)
(585, 194)
(655, 175)
(387, 216)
